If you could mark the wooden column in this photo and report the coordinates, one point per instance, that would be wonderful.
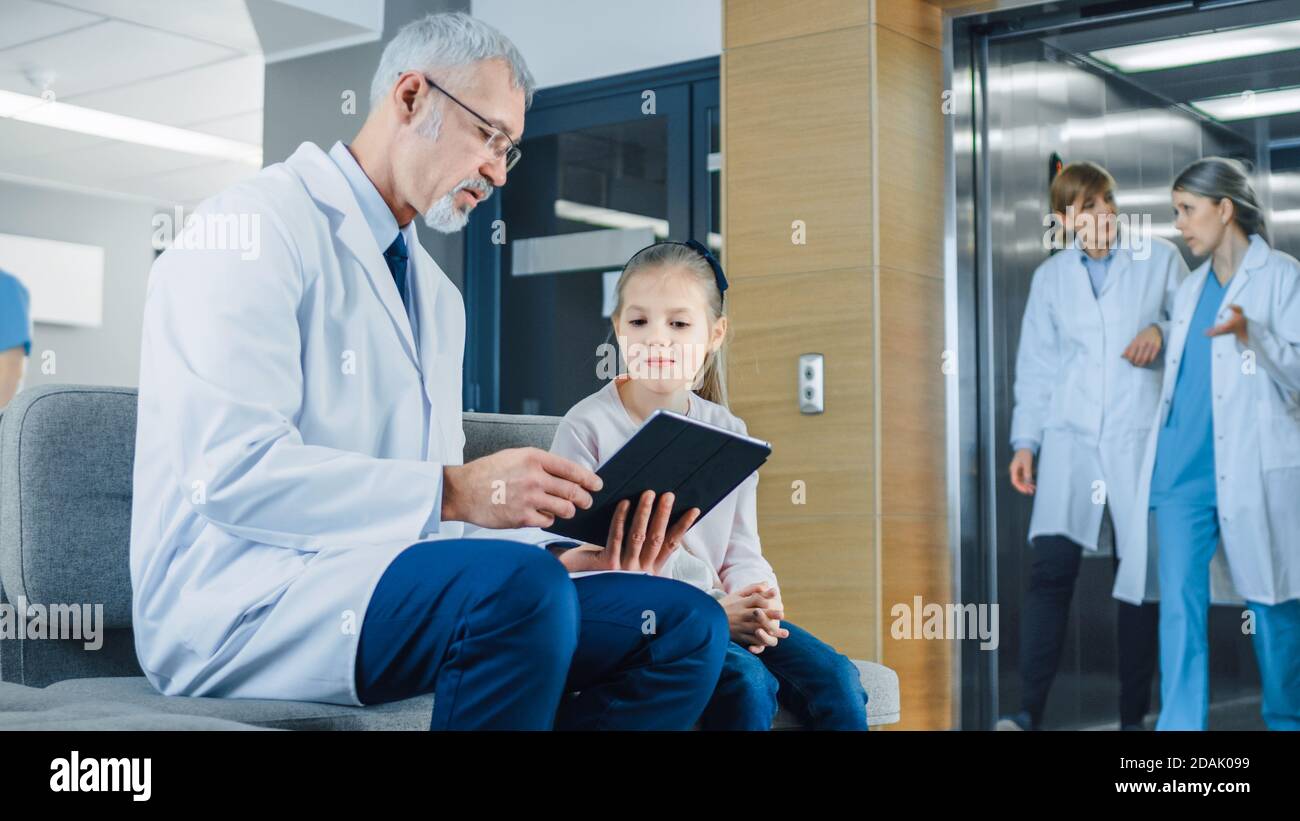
(833, 135)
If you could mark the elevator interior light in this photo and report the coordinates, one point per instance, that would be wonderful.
(1202, 48)
(1250, 104)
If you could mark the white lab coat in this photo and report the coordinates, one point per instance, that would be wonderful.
(282, 455)
(1256, 396)
(1085, 406)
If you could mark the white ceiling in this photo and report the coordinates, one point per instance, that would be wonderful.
(194, 64)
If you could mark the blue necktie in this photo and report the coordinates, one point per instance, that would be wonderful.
(396, 258)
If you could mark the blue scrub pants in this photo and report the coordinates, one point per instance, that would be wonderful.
(1189, 534)
(815, 681)
(503, 638)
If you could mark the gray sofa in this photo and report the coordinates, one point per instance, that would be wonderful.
(66, 455)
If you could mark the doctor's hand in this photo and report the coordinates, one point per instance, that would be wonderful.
(1235, 324)
(753, 614)
(1145, 347)
(538, 487)
(1022, 471)
(645, 544)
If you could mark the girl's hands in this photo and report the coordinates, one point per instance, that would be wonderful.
(645, 545)
(754, 615)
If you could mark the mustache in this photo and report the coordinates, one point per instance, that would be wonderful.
(480, 185)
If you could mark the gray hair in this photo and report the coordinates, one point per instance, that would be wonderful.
(447, 41)
(1220, 177)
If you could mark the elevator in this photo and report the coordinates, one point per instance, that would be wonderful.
(1069, 81)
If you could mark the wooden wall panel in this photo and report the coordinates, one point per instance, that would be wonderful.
(912, 418)
(797, 111)
(749, 22)
(831, 115)
(916, 564)
(914, 554)
(786, 128)
(910, 134)
(826, 566)
(914, 18)
(821, 543)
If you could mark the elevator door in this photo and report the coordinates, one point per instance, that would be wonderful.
(1039, 101)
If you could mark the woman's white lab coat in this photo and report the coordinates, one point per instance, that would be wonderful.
(1256, 396)
(287, 449)
(1085, 406)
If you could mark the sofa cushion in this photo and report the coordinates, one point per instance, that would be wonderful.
(410, 714)
(490, 432)
(880, 682)
(30, 708)
(66, 455)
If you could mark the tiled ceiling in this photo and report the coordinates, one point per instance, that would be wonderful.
(193, 64)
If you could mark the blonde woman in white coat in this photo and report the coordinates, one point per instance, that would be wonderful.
(1087, 382)
(1223, 460)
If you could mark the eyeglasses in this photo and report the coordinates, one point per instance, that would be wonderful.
(498, 142)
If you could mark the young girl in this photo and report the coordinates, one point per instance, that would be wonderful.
(671, 327)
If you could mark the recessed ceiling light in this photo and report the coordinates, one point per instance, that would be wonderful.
(1202, 48)
(40, 111)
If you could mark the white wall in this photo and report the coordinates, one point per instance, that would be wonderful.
(110, 353)
(566, 41)
(302, 103)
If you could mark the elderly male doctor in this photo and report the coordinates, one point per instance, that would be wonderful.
(304, 526)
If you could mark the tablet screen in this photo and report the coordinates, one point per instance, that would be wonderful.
(700, 463)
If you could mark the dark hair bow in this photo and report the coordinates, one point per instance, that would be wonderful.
(703, 251)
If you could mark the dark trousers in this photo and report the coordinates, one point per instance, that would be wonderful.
(504, 639)
(1042, 632)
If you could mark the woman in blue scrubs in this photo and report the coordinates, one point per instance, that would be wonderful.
(1227, 454)
(15, 335)
(1183, 500)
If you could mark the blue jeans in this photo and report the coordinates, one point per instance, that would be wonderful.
(818, 684)
(503, 638)
(1189, 535)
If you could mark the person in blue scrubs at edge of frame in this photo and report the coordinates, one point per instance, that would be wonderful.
(1222, 464)
(304, 526)
(15, 335)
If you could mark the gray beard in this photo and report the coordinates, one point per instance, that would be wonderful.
(443, 216)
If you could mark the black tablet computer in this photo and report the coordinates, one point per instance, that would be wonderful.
(699, 462)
